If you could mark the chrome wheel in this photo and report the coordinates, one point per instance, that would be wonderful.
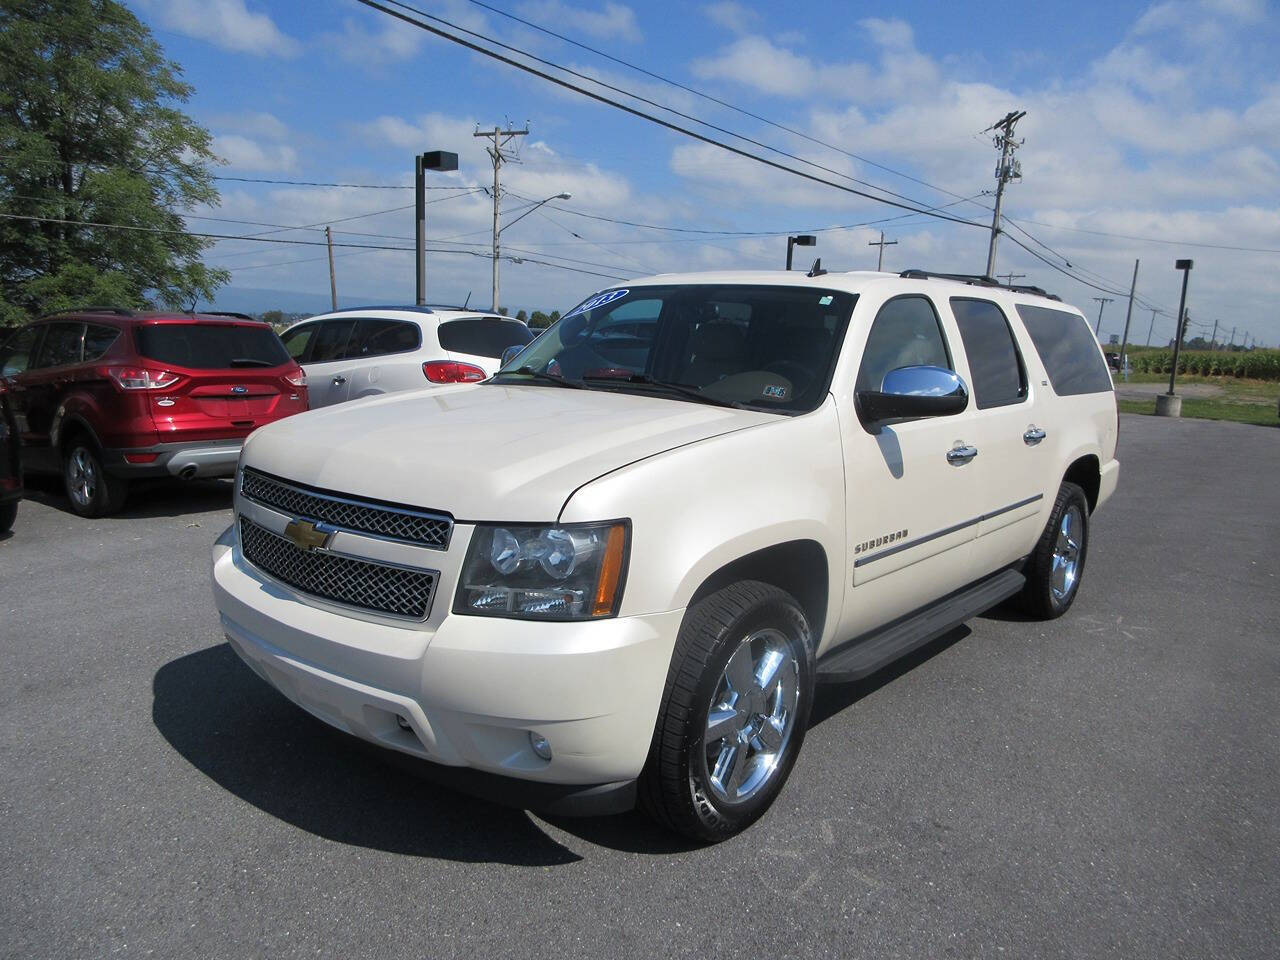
(1064, 570)
(752, 716)
(82, 477)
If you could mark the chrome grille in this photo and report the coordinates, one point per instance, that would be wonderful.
(330, 576)
(391, 522)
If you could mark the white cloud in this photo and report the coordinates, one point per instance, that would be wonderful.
(228, 24)
(733, 17)
(244, 154)
(253, 123)
(394, 41)
(613, 21)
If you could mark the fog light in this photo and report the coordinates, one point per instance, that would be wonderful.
(541, 745)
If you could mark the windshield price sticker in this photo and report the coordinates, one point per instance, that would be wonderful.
(599, 300)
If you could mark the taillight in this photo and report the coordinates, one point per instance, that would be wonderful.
(141, 378)
(450, 371)
(296, 377)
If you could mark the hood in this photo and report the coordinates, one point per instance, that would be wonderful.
(483, 451)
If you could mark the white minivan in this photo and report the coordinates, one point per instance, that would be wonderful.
(366, 351)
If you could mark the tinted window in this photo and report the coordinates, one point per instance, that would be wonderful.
(98, 340)
(297, 339)
(15, 357)
(211, 346)
(374, 338)
(773, 347)
(905, 333)
(330, 341)
(483, 336)
(994, 363)
(61, 345)
(1068, 350)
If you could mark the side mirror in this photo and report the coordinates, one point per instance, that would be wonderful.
(913, 393)
(511, 353)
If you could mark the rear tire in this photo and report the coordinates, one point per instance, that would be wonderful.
(1056, 566)
(8, 514)
(92, 491)
(733, 714)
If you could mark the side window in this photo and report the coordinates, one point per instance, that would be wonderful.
(1068, 349)
(999, 378)
(330, 341)
(98, 340)
(15, 355)
(376, 338)
(906, 333)
(61, 345)
(298, 338)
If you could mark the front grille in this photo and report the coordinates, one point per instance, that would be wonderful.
(355, 583)
(392, 522)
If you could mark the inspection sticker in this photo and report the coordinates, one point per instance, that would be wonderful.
(775, 391)
(825, 301)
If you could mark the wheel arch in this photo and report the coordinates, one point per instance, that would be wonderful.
(799, 567)
(71, 425)
(1086, 473)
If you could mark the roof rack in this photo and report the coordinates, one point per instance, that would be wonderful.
(118, 311)
(385, 306)
(227, 313)
(977, 280)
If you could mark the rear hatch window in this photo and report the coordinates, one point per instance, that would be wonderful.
(211, 346)
(483, 336)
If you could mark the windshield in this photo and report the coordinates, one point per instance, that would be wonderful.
(767, 347)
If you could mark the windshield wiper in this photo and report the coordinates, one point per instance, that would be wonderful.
(548, 377)
(693, 393)
(251, 362)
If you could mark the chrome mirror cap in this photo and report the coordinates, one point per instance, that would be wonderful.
(924, 381)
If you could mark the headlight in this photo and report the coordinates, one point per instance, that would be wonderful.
(571, 572)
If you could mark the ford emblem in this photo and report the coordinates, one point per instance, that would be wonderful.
(239, 389)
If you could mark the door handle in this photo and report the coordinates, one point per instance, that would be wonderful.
(959, 456)
(339, 380)
(1033, 436)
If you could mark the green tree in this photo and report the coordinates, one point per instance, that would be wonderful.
(522, 316)
(90, 131)
(539, 320)
(273, 317)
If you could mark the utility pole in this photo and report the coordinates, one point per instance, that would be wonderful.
(1007, 169)
(1102, 304)
(1232, 342)
(333, 282)
(881, 244)
(1124, 339)
(1010, 277)
(499, 155)
(1214, 338)
(1152, 327)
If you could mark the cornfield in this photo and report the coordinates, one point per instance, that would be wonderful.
(1252, 364)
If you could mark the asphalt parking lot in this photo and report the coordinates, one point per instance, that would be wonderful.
(1104, 785)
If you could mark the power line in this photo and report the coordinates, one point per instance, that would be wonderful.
(1172, 243)
(374, 4)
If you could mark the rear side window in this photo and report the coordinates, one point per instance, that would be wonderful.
(905, 333)
(483, 336)
(376, 338)
(211, 346)
(297, 339)
(61, 345)
(998, 375)
(15, 356)
(330, 341)
(98, 340)
(1068, 350)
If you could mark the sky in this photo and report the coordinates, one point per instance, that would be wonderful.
(1152, 132)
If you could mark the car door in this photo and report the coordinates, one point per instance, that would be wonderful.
(381, 357)
(1006, 427)
(47, 380)
(911, 507)
(327, 365)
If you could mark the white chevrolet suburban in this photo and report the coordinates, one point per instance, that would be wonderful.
(613, 572)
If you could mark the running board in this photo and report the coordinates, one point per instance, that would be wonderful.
(864, 656)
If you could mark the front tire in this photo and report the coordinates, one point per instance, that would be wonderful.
(734, 712)
(91, 490)
(1056, 566)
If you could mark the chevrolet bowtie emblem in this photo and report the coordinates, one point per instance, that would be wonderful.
(306, 535)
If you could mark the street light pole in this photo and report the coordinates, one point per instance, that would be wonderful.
(803, 240)
(497, 230)
(435, 160)
(1170, 404)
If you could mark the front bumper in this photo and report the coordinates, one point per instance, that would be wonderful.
(201, 458)
(465, 692)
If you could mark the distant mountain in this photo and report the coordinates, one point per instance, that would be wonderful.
(255, 300)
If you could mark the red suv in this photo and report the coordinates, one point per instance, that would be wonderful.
(105, 395)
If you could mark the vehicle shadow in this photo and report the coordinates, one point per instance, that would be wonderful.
(831, 698)
(147, 498)
(251, 741)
